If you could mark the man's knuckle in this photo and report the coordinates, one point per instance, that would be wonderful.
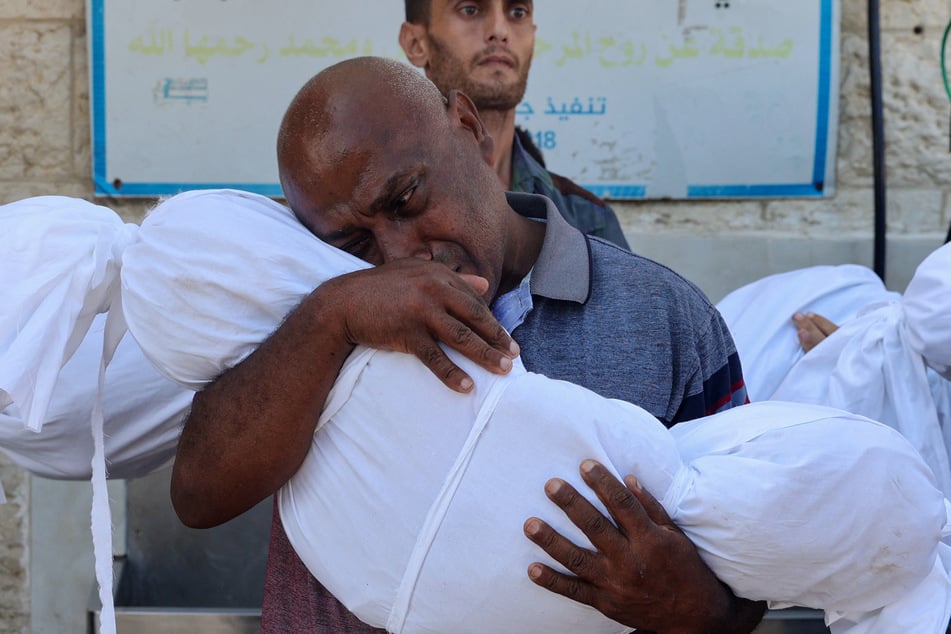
(474, 304)
(573, 588)
(460, 334)
(596, 524)
(501, 333)
(578, 561)
(433, 356)
(621, 498)
(550, 581)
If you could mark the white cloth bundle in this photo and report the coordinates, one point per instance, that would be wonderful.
(60, 270)
(797, 504)
(759, 316)
(228, 266)
(927, 304)
(143, 414)
(873, 365)
(62, 414)
(61, 261)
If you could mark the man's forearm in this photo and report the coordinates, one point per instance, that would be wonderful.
(249, 431)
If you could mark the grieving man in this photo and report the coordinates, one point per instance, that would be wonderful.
(377, 162)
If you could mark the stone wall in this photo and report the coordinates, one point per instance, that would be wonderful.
(45, 149)
(14, 551)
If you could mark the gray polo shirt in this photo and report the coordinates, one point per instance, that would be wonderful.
(620, 324)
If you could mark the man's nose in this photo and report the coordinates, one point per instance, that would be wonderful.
(496, 22)
(401, 245)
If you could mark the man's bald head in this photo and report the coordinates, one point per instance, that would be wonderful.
(374, 161)
(349, 106)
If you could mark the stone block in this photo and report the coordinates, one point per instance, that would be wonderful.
(42, 9)
(854, 80)
(915, 211)
(854, 167)
(14, 553)
(916, 113)
(849, 212)
(932, 15)
(18, 190)
(35, 62)
(854, 17)
(82, 128)
(895, 15)
(693, 216)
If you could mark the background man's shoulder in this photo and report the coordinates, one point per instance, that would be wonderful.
(568, 187)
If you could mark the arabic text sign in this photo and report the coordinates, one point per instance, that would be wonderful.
(627, 97)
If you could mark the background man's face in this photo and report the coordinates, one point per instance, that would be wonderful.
(483, 48)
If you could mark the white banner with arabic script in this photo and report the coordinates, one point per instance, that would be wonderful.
(629, 98)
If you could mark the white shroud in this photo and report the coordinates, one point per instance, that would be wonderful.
(410, 506)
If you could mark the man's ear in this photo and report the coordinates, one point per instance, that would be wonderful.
(464, 113)
(415, 44)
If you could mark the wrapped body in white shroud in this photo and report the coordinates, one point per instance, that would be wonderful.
(410, 504)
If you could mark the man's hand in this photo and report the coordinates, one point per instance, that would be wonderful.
(644, 573)
(812, 329)
(411, 306)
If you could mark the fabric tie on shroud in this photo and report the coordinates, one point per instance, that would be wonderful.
(61, 264)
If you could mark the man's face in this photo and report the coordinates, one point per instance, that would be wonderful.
(483, 48)
(392, 192)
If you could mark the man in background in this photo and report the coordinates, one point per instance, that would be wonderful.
(484, 48)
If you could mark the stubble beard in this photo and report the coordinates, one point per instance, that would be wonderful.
(452, 73)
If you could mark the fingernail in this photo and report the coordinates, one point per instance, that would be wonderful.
(514, 349)
(634, 482)
(532, 526)
(587, 466)
(797, 316)
(534, 571)
(505, 363)
(554, 485)
(466, 384)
